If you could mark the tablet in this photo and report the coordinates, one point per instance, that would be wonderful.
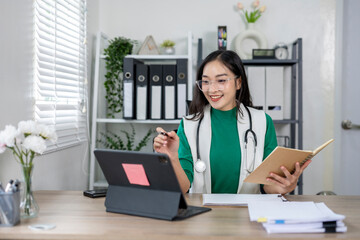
(143, 184)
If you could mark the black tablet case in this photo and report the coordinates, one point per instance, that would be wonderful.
(162, 199)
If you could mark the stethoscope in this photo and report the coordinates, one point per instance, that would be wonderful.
(250, 139)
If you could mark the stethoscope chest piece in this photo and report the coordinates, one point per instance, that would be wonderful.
(200, 166)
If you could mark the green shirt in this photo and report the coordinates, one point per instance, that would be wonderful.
(225, 151)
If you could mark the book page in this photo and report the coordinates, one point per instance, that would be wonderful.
(316, 151)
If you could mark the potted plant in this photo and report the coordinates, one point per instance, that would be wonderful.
(114, 141)
(118, 48)
(168, 47)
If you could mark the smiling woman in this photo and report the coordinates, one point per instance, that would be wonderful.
(224, 90)
(235, 137)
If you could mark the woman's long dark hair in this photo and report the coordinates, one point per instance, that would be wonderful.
(232, 61)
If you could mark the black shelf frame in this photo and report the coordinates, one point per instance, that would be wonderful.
(296, 99)
(270, 62)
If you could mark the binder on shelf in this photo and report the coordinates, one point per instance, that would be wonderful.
(181, 86)
(155, 93)
(142, 82)
(129, 88)
(274, 92)
(256, 79)
(169, 73)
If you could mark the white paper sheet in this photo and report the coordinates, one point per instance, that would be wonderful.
(239, 199)
(297, 226)
(291, 212)
(302, 230)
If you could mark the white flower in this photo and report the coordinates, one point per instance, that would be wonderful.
(28, 140)
(47, 132)
(2, 147)
(35, 143)
(8, 136)
(28, 127)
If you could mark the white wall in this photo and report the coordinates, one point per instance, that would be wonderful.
(65, 169)
(283, 21)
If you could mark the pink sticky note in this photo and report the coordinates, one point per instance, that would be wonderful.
(136, 174)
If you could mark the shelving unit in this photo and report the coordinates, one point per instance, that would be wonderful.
(148, 121)
(99, 96)
(296, 96)
(295, 121)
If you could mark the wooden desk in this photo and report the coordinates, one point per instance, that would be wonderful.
(79, 217)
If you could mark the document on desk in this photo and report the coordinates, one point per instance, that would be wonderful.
(291, 212)
(317, 227)
(239, 199)
(296, 217)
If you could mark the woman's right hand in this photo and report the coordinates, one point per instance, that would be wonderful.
(166, 143)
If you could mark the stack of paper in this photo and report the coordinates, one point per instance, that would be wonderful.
(239, 199)
(296, 217)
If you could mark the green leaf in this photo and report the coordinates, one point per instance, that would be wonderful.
(114, 141)
(144, 141)
(117, 49)
(129, 144)
(247, 16)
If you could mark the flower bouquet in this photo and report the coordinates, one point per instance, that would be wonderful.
(255, 14)
(26, 142)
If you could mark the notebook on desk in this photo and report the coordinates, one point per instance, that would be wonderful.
(143, 184)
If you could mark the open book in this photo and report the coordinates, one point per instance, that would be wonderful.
(282, 156)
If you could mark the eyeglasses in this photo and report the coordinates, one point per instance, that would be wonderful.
(219, 84)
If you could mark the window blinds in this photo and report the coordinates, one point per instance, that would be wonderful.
(60, 69)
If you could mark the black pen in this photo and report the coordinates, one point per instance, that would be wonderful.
(164, 133)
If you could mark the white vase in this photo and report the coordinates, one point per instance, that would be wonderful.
(169, 50)
(244, 41)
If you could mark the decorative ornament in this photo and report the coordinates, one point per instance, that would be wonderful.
(149, 47)
(243, 45)
(243, 40)
(281, 51)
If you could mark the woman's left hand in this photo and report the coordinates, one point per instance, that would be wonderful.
(283, 185)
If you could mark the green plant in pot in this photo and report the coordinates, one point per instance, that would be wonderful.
(168, 46)
(118, 48)
(114, 141)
